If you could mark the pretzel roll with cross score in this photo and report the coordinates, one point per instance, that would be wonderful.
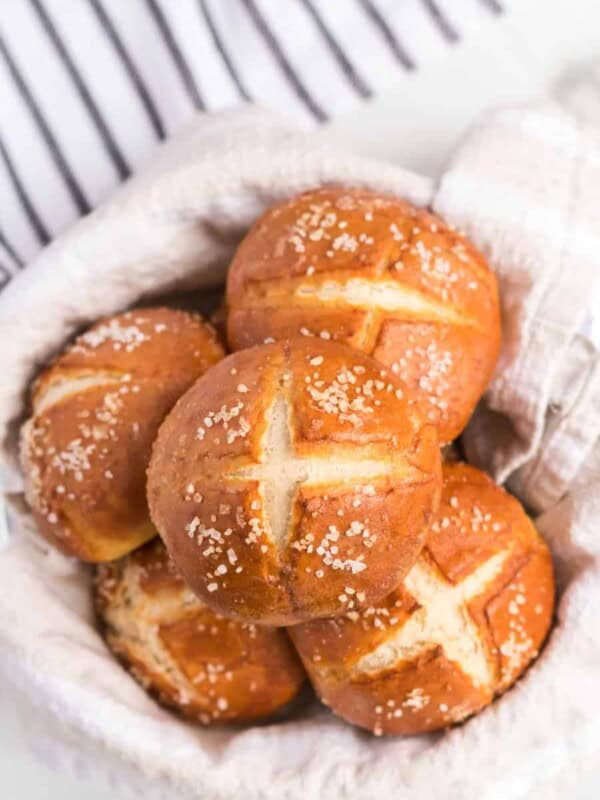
(464, 624)
(96, 411)
(208, 668)
(381, 275)
(289, 472)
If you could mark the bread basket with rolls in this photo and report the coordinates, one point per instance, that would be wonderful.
(343, 540)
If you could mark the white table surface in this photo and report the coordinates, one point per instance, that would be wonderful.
(539, 51)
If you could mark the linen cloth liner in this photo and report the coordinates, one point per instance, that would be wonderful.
(524, 185)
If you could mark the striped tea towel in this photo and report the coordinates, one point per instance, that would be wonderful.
(525, 185)
(88, 87)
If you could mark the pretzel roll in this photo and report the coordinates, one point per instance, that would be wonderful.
(208, 668)
(465, 623)
(289, 472)
(381, 275)
(96, 411)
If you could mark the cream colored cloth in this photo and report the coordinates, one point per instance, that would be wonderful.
(524, 185)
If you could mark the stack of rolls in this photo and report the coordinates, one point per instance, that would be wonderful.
(308, 525)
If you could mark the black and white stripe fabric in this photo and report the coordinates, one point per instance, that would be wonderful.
(88, 87)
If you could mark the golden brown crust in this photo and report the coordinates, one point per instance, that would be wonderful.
(290, 475)
(379, 274)
(96, 411)
(464, 625)
(210, 669)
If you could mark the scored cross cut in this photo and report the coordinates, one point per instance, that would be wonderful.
(63, 388)
(281, 472)
(377, 296)
(382, 295)
(443, 620)
(376, 293)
